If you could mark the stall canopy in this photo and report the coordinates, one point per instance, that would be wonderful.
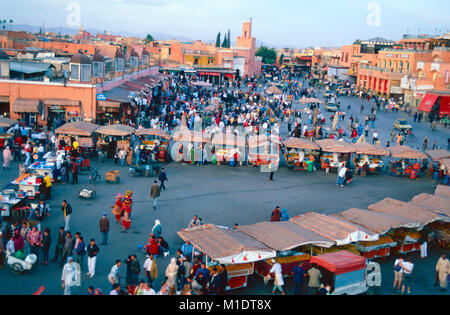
(226, 245)
(428, 102)
(311, 100)
(282, 236)
(25, 105)
(438, 155)
(371, 149)
(109, 104)
(442, 191)
(202, 84)
(259, 140)
(61, 102)
(228, 139)
(406, 210)
(436, 204)
(273, 90)
(405, 152)
(116, 130)
(333, 228)
(79, 128)
(340, 262)
(186, 135)
(153, 132)
(298, 143)
(6, 122)
(375, 222)
(334, 146)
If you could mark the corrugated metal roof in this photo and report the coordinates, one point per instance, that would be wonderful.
(28, 67)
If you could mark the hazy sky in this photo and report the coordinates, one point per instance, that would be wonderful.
(281, 23)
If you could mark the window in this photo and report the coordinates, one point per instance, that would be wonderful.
(97, 70)
(75, 72)
(195, 61)
(134, 62)
(85, 73)
(210, 61)
(145, 59)
(118, 65)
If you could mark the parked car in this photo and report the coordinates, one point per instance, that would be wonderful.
(328, 94)
(331, 107)
(402, 124)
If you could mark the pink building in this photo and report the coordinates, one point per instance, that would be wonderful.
(246, 48)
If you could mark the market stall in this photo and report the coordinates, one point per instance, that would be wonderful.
(263, 149)
(433, 203)
(407, 238)
(227, 148)
(369, 158)
(188, 145)
(158, 138)
(236, 250)
(41, 169)
(284, 238)
(113, 138)
(12, 206)
(441, 206)
(376, 222)
(300, 153)
(81, 131)
(335, 153)
(273, 89)
(344, 271)
(28, 184)
(408, 163)
(438, 165)
(5, 124)
(442, 191)
(343, 233)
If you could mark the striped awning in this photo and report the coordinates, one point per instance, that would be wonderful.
(27, 105)
(61, 102)
(109, 104)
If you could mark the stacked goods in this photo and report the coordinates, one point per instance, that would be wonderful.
(441, 233)
(376, 249)
(112, 176)
(287, 263)
(408, 241)
(234, 270)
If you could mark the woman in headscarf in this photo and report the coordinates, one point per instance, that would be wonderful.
(284, 215)
(157, 230)
(7, 157)
(171, 273)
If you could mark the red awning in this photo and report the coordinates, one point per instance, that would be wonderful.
(428, 101)
(444, 108)
(209, 73)
(340, 262)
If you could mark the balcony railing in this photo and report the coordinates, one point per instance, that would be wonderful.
(381, 69)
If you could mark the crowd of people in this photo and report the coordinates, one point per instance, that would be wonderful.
(241, 107)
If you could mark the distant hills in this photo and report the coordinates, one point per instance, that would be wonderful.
(73, 31)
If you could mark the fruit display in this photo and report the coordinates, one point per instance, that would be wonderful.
(383, 242)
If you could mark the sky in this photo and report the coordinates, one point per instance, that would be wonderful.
(280, 23)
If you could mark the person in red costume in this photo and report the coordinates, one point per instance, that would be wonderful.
(117, 208)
